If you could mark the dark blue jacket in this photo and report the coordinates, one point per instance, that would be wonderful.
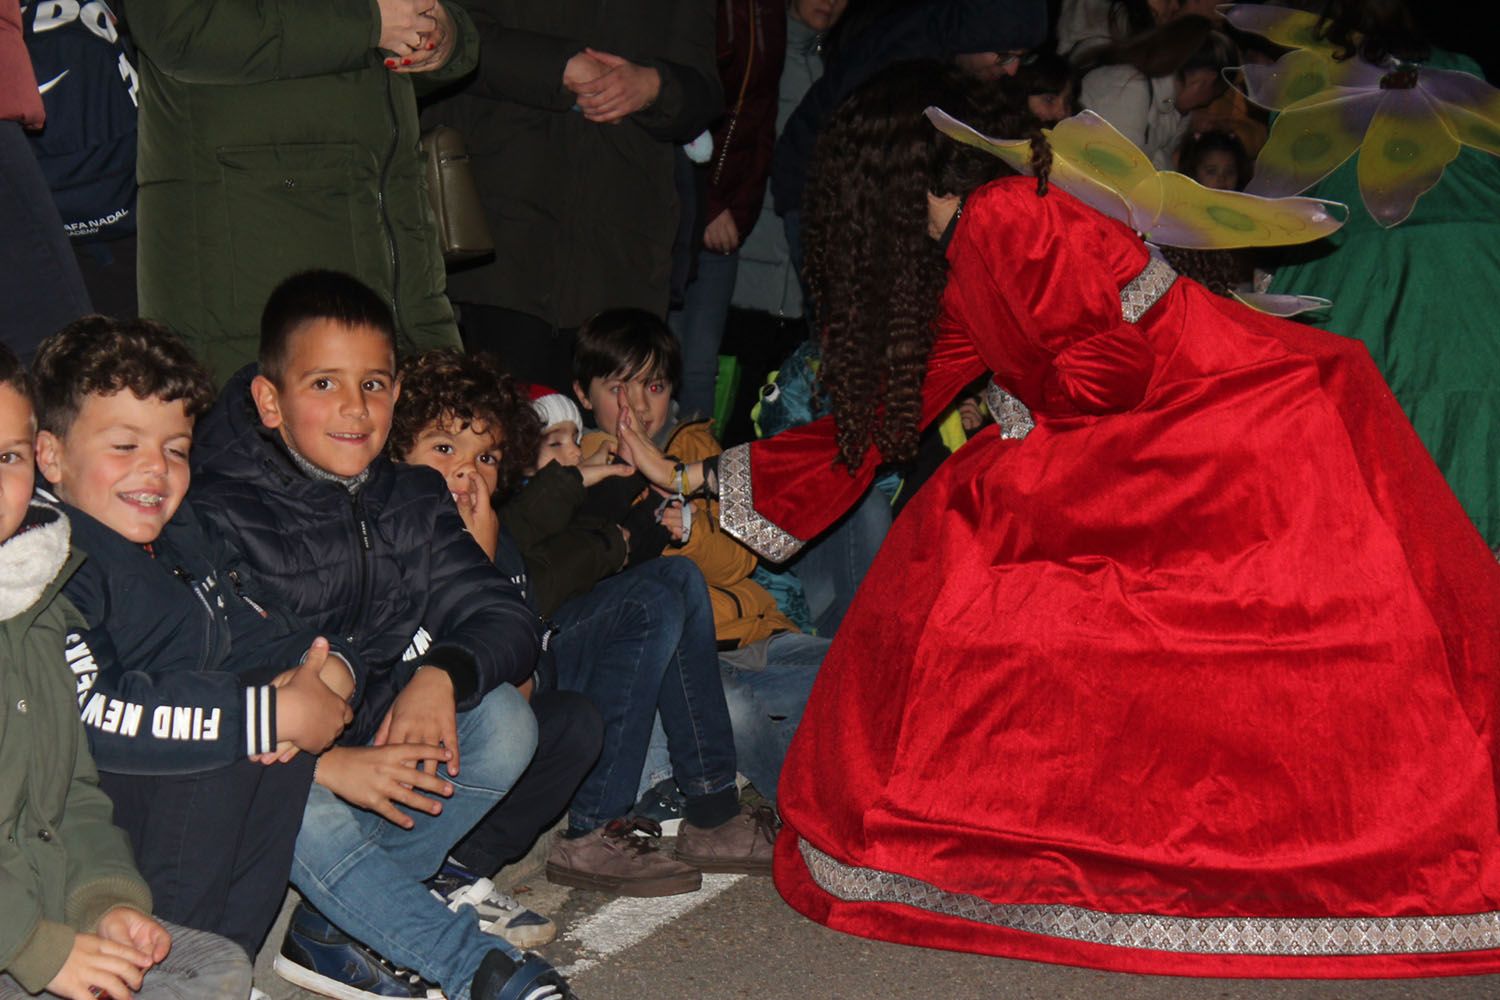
(935, 29)
(389, 567)
(173, 668)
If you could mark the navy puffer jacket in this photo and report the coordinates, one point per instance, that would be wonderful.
(389, 568)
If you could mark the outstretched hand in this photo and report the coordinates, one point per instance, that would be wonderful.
(381, 778)
(639, 451)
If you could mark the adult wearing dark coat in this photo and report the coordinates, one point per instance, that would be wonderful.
(281, 135)
(978, 35)
(570, 125)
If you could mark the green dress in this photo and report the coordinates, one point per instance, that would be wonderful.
(1424, 296)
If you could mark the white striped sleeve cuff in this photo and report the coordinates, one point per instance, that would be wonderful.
(260, 720)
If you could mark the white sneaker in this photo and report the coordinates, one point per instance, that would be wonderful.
(499, 914)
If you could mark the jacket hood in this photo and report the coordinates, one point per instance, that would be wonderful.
(32, 560)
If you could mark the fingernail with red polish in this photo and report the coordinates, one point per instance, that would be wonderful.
(389, 63)
(406, 62)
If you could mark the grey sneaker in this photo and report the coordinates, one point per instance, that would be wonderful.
(620, 857)
(742, 846)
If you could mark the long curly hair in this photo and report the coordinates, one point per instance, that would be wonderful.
(445, 385)
(873, 273)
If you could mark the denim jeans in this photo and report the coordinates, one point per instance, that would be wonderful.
(699, 328)
(365, 874)
(639, 643)
(200, 966)
(832, 567)
(766, 685)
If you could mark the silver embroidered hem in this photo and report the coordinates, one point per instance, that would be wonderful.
(1272, 936)
(1145, 288)
(1009, 412)
(737, 513)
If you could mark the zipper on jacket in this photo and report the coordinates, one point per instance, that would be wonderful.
(362, 548)
(385, 217)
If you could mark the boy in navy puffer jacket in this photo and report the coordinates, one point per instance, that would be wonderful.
(290, 464)
(181, 674)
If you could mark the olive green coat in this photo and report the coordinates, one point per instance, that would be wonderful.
(273, 139)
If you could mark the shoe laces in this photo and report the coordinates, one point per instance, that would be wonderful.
(767, 824)
(637, 834)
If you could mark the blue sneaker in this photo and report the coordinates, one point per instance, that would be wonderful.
(499, 914)
(662, 803)
(501, 977)
(322, 959)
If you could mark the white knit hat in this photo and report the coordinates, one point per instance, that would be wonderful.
(556, 408)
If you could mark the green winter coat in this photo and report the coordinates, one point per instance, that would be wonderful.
(272, 140)
(63, 864)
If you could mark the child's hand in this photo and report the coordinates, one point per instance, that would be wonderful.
(638, 451)
(671, 519)
(424, 712)
(481, 519)
(601, 456)
(971, 414)
(309, 714)
(128, 926)
(593, 474)
(380, 778)
(98, 964)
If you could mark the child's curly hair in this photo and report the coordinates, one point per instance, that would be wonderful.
(446, 385)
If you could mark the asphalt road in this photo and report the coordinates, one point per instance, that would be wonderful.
(737, 939)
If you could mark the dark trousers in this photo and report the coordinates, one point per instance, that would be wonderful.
(529, 348)
(216, 847)
(569, 734)
(39, 280)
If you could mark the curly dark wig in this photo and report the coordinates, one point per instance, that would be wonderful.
(1217, 270)
(873, 274)
(102, 355)
(446, 385)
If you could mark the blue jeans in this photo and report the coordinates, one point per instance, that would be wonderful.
(832, 567)
(639, 643)
(699, 328)
(766, 685)
(365, 874)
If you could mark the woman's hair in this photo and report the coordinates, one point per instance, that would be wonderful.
(1195, 147)
(1171, 48)
(447, 386)
(1373, 30)
(1043, 73)
(873, 273)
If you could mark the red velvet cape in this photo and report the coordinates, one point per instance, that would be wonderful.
(1198, 678)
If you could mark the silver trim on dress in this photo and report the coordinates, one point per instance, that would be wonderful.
(1145, 288)
(1277, 936)
(737, 513)
(1009, 412)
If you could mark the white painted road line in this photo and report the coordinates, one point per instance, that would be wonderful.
(626, 921)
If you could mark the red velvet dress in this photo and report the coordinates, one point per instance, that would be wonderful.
(1198, 677)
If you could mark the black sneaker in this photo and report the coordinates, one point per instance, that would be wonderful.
(322, 959)
(662, 803)
(501, 977)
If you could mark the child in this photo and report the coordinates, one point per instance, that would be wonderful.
(636, 642)
(1215, 160)
(76, 922)
(625, 365)
(292, 465)
(179, 667)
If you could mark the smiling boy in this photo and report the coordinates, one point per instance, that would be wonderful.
(291, 465)
(181, 669)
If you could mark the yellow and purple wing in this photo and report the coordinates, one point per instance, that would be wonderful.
(1307, 143)
(1282, 305)
(1292, 29)
(1201, 218)
(1404, 154)
(1470, 106)
(1302, 78)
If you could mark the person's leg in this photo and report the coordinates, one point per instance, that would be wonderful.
(832, 567)
(766, 685)
(200, 965)
(208, 868)
(530, 348)
(699, 328)
(39, 280)
(365, 874)
(570, 733)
